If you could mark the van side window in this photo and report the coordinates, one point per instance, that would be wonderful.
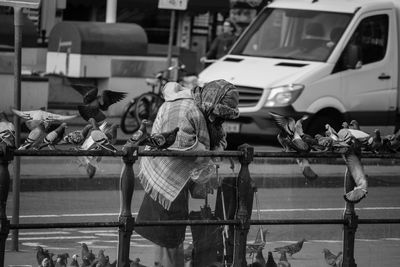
(371, 38)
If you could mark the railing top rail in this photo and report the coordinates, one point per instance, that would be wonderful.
(170, 153)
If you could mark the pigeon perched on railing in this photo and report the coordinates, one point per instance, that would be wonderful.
(162, 140)
(7, 131)
(77, 137)
(94, 102)
(54, 137)
(332, 259)
(141, 134)
(102, 141)
(35, 136)
(292, 248)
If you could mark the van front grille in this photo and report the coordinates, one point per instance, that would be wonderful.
(249, 96)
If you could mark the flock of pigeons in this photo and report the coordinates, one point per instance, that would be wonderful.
(48, 130)
(350, 141)
(86, 259)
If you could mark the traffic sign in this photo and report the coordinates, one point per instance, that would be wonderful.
(173, 4)
(20, 3)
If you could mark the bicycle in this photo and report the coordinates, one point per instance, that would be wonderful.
(146, 105)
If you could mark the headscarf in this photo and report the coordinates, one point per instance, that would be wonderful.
(219, 98)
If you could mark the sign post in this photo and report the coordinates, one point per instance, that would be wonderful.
(173, 5)
(17, 5)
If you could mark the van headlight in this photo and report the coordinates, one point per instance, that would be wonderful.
(284, 95)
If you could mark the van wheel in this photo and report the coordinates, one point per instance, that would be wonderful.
(317, 124)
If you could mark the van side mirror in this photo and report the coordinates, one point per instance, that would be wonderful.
(352, 60)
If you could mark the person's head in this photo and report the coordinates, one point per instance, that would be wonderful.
(228, 26)
(218, 100)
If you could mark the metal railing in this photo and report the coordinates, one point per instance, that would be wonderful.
(241, 221)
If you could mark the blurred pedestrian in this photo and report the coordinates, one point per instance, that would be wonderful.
(199, 113)
(223, 42)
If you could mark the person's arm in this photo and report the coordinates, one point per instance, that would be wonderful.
(212, 52)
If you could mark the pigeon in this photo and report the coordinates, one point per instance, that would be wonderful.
(332, 259)
(330, 132)
(62, 260)
(94, 102)
(34, 117)
(87, 255)
(54, 137)
(102, 141)
(46, 262)
(292, 248)
(111, 133)
(77, 137)
(136, 263)
(35, 137)
(141, 134)
(258, 243)
(291, 138)
(7, 131)
(356, 169)
(163, 140)
(187, 253)
(260, 257)
(394, 141)
(41, 254)
(74, 262)
(375, 143)
(270, 260)
(354, 125)
(283, 262)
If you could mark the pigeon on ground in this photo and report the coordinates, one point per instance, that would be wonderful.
(54, 137)
(260, 257)
(332, 259)
(34, 117)
(74, 262)
(136, 263)
(7, 131)
(283, 262)
(270, 260)
(46, 262)
(62, 260)
(94, 102)
(259, 242)
(292, 248)
(41, 254)
(87, 255)
(163, 140)
(35, 137)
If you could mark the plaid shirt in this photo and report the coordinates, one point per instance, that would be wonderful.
(163, 178)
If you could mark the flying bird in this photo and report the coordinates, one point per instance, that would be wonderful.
(356, 170)
(7, 131)
(34, 117)
(292, 248)
(270, 260)
(54, 137)
(332, 259)
(94, 103)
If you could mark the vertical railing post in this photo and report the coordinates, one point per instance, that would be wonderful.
(350, 226)
(127, 183)
(243, 212)
(5, 157)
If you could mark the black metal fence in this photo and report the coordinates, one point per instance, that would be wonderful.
(241, 221)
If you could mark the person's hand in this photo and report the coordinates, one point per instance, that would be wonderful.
(203, 59)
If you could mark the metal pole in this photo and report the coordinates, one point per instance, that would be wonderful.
(126, 193)
(111, 11)
(350, 226)
(4, 189)
(243, 212)
(17, 105)
(170, 42)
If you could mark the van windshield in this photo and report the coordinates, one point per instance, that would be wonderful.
(293, 34)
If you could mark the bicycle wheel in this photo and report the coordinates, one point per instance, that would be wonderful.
(147, 106)
(129, 121)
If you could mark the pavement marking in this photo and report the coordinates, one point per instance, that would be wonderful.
(261, 210)
(44, 233)
(52, 237)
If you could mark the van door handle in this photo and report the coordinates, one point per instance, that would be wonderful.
(384, 76)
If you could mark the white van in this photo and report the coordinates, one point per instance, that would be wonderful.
(336, 60)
